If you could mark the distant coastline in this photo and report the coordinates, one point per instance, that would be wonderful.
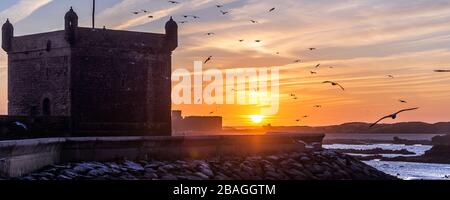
(355, 128)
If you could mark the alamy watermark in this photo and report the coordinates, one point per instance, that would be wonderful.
(242, 86)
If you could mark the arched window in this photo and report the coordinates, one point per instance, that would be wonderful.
(46, 108)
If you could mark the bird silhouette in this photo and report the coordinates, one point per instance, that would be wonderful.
(297, 120)
(393, 116)
(306, 116)
(390, 76)
(207, 60)
(150, 16)
(297, 61)
(173, 2)
(241, 40)
(272, 9)
(254, 21)
(20, 124)
(193, 16)
(135, 12)
(442, 70)
(145, 11)
(312, 49)
(183, 22)
(313, 72)
(402, 101)
(219, 6)
(335, 84)
(210, 33)
(318, 65)
(258, 40)
(318, 106)
(224, 12)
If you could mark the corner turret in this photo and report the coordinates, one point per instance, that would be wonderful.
(7, 35)
(171, 34)
(71, 24)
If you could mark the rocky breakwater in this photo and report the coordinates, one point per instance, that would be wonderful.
(313, 165)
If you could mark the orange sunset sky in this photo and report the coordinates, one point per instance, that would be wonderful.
(363, 42)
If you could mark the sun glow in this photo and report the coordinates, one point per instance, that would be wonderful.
(256, 118)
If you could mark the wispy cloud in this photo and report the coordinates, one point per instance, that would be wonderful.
(23, 9)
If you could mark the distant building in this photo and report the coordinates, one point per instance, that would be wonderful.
(182, 124)
(99, 79)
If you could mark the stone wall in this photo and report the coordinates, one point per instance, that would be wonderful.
(119, 81)
(39, 67)
(23, 156)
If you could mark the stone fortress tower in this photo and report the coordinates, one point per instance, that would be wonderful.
(99, 79)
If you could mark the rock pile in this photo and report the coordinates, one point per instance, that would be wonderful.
(316, 165)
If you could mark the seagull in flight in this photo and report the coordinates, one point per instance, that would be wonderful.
(207, 60)
(20, 124)
(402, 101)
(335, 84)
(241, 40)
(254, 21)
(313, 72)
(393, 116)
(135, 12)
(390, 76)
(442, 70)
(219, 6)
(258, 40)
(297, 61)
(312, 49)
(173, 2)
(210, 33)
(224, 12)
(183, 22)
(318, 106)
(272, 9)
(318, 65)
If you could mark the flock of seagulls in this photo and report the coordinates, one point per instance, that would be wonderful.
(142, 11)
(293, 96)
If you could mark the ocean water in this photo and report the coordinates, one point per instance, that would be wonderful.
(413, 170)
(403, 170)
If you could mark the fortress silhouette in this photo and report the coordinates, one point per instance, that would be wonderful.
(86, 80)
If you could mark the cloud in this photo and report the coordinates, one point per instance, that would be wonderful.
(22, 9)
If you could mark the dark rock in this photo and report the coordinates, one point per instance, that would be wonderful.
(169, 177)
(133, 166)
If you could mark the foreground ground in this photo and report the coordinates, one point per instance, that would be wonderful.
(317, 165)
